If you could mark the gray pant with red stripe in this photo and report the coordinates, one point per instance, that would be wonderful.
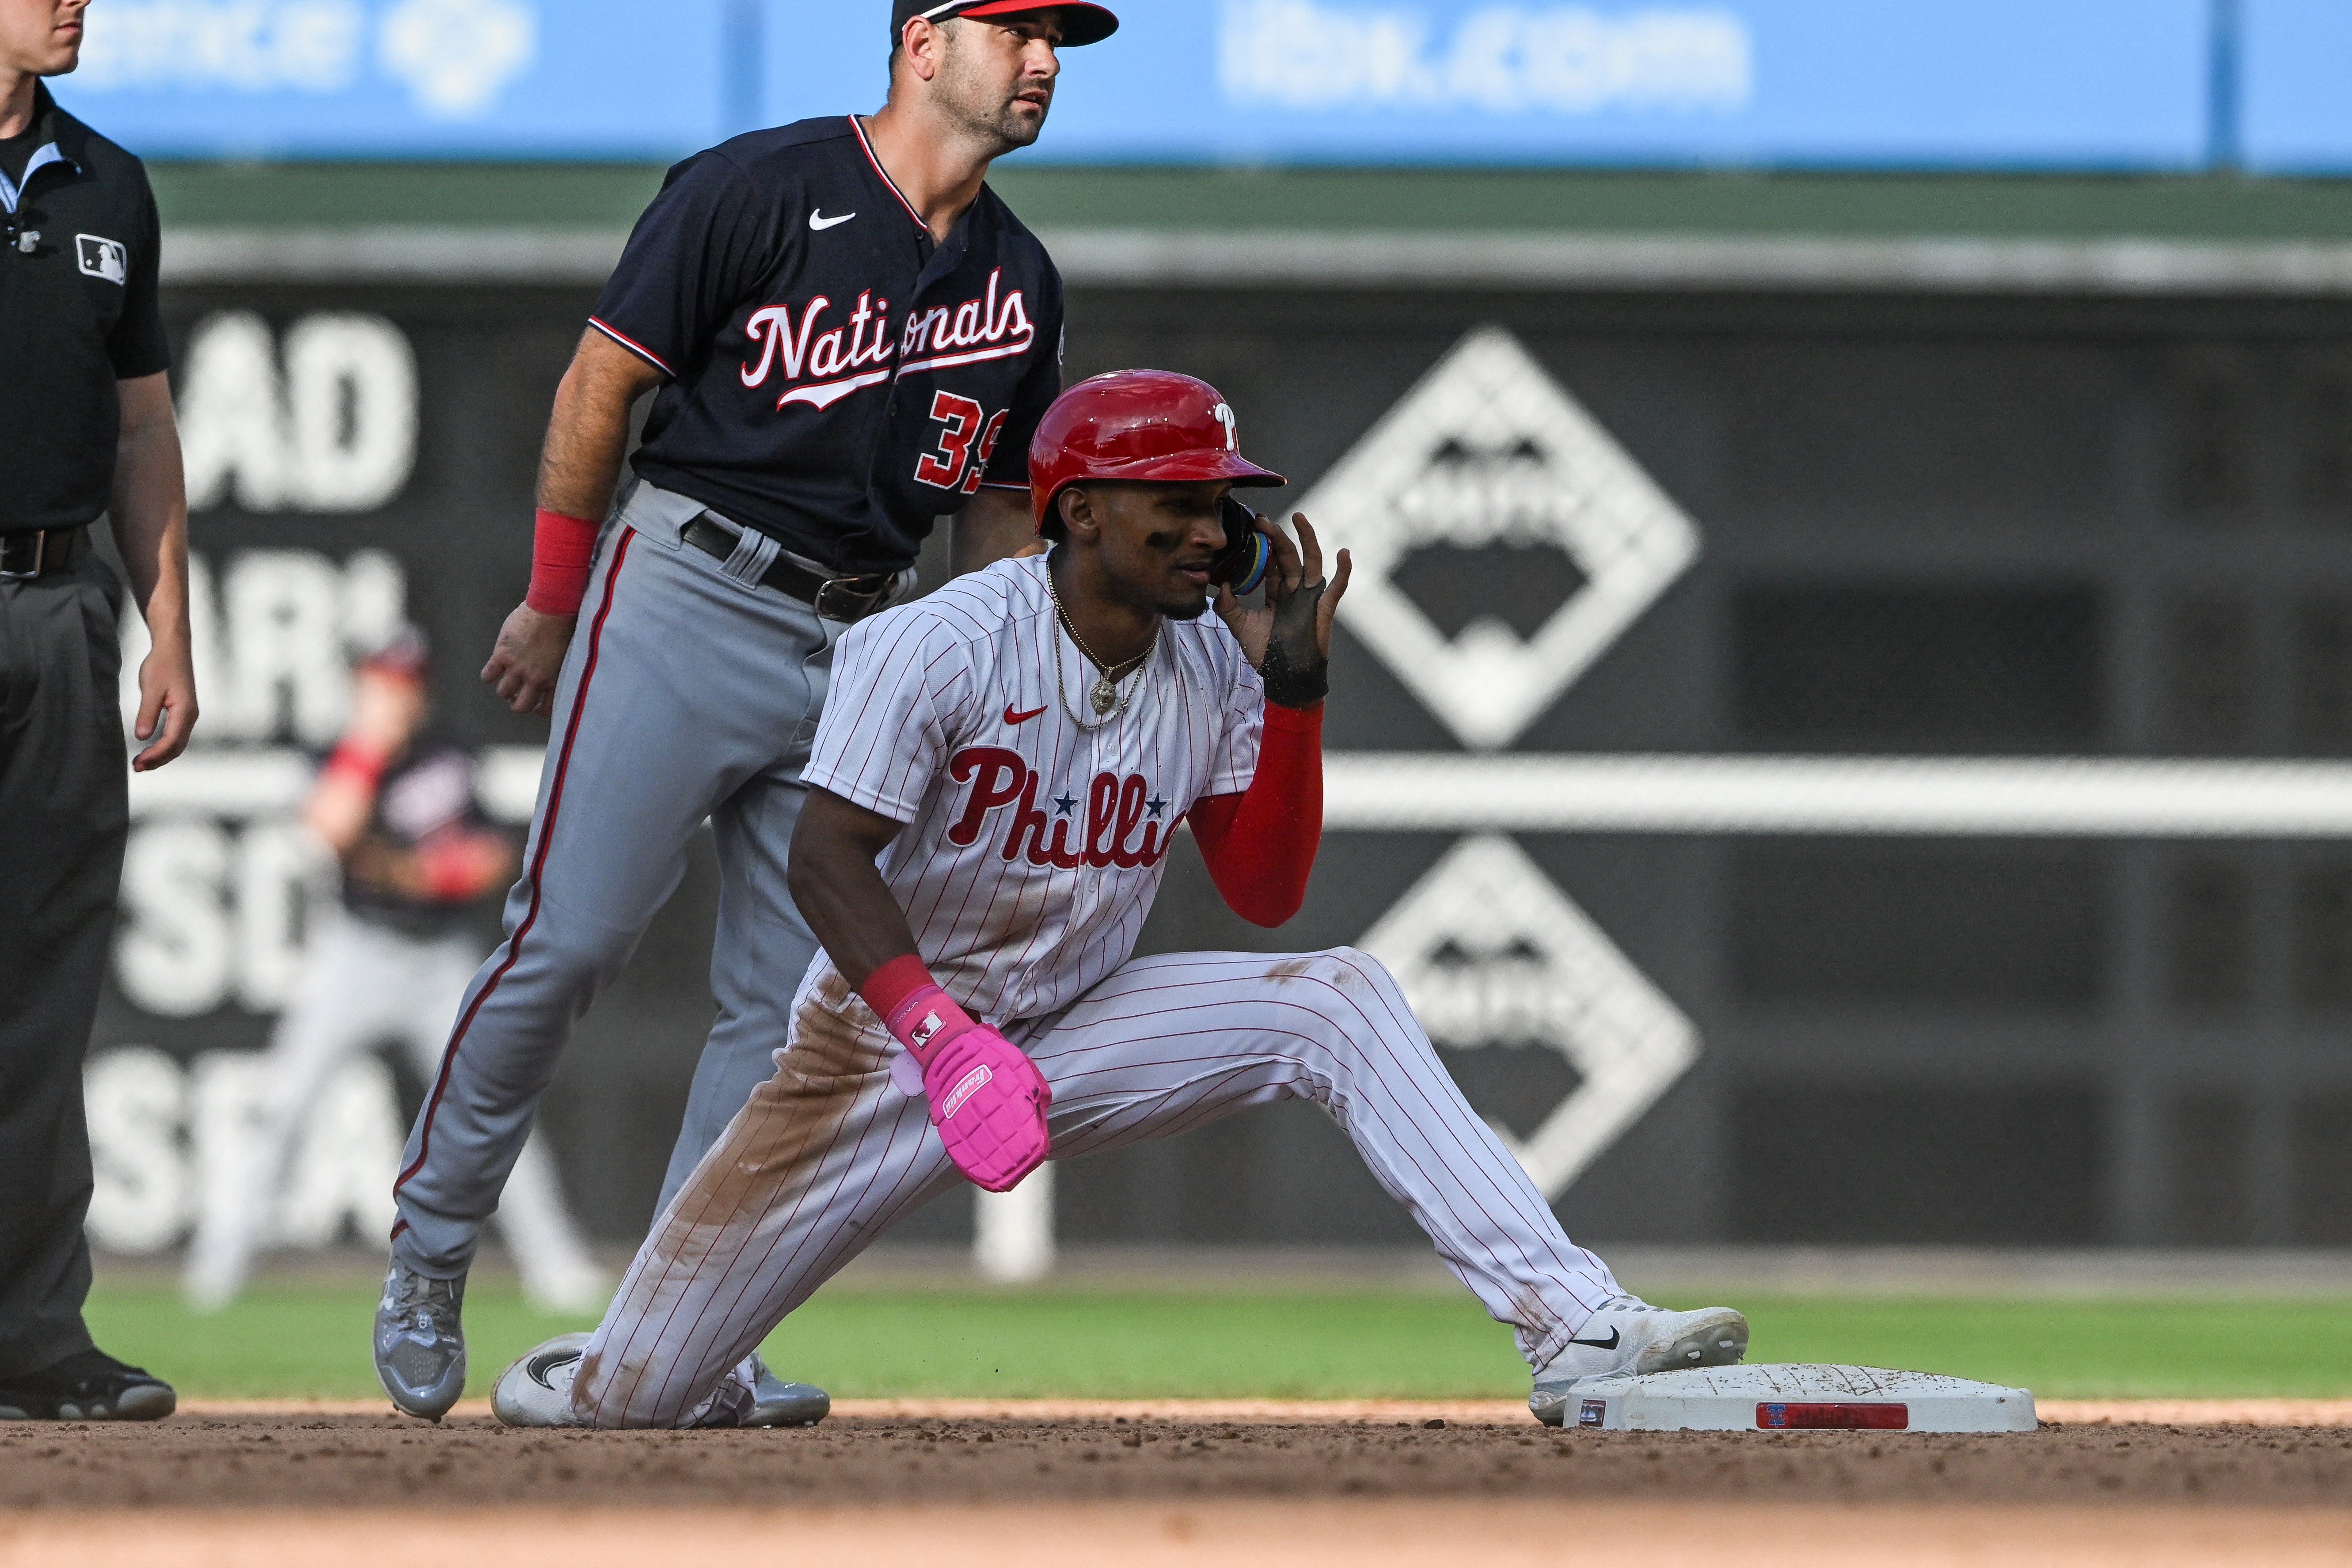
(829, 1152)
(689, 692)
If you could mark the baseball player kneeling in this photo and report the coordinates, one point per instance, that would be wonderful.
(997, 778)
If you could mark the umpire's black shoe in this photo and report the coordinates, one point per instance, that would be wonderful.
(91, 1386)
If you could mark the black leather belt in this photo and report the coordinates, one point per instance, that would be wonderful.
(41, 551)
(834, 598)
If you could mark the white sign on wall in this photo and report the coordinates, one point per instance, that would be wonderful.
(1489, 450)
(217, 892)
(329, 426)
(1490, 952)
(169, 1142)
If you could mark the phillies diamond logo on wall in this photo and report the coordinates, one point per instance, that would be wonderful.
(1489, 450)
(1489, 952)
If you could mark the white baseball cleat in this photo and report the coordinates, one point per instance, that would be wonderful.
(1628, 1338)
(536, 1391)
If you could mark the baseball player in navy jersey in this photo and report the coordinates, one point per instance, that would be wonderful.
(994, 787)
(846, 334)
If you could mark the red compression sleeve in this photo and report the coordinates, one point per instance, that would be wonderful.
(561, 548)
(1260, 845)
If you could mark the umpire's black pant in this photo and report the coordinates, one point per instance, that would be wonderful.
(64, 814)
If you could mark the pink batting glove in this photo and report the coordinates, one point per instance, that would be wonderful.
(987, 1099)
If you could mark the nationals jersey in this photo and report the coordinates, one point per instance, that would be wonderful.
(837, 380)
(1034, 847)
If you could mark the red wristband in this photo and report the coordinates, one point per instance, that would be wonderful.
(562, 548)
(457, 866)
(362, 763)
(893, 982)
(919, 1015)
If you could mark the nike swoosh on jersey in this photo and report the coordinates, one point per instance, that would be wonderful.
(819, 222)
(1012, 718)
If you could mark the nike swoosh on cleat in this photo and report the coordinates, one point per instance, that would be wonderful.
(539, 1366)
(1012, 718)
(819, 222)
(1610, 1343)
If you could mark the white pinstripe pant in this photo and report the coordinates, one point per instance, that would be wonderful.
(828, 1153)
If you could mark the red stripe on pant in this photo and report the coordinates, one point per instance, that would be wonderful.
(538, 863)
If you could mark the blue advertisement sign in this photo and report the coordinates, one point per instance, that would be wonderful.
(2295, 114)
(2110, 84)
(2117, 84)
(401, 79)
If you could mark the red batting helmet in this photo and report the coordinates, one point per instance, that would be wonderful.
(1137, 425)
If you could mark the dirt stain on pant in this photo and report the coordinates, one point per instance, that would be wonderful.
(773, 1150)
(778, 1140)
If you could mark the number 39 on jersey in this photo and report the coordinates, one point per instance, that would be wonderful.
(958, 463)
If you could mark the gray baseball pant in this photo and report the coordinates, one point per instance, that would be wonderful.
(689, 692)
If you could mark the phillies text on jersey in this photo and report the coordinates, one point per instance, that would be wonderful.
(836, 379)
(1034, 847)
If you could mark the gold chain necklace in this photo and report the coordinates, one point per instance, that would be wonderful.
(1104, 695)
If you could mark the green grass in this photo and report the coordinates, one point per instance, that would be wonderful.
(311, 1340)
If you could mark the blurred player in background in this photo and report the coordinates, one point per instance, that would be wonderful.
(847, 336)
(397, 806)
(993, 791)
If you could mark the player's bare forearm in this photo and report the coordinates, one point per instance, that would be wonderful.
(840, 894)
(588, 432)
(995, 525)
(587, 436)
(149, 507)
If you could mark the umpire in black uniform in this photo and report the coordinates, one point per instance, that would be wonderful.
(86, 419)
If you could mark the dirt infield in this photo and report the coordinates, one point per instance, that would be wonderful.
(1355, 1533)
(386, 1462)
(1373, 1484)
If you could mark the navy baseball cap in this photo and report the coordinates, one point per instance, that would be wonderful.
(1081, 23)
(405, 654)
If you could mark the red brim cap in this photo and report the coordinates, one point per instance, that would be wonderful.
(1182, 467)
(1081, 23)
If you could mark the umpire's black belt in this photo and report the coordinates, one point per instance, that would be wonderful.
(41, 551)
(834, 598)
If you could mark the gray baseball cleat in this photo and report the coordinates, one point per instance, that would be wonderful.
(420, 1343)
(775, 1403)
(1630, 1337)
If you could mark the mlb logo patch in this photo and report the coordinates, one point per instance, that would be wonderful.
(103, 257)
(1592, 1413)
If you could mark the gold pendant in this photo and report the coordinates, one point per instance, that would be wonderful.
(1104, 695)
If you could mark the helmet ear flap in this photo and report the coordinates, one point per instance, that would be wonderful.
(1241, 564)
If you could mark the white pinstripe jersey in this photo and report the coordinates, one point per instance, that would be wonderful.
(1034, 848)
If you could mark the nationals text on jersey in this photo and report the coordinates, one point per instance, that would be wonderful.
(987, 328)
